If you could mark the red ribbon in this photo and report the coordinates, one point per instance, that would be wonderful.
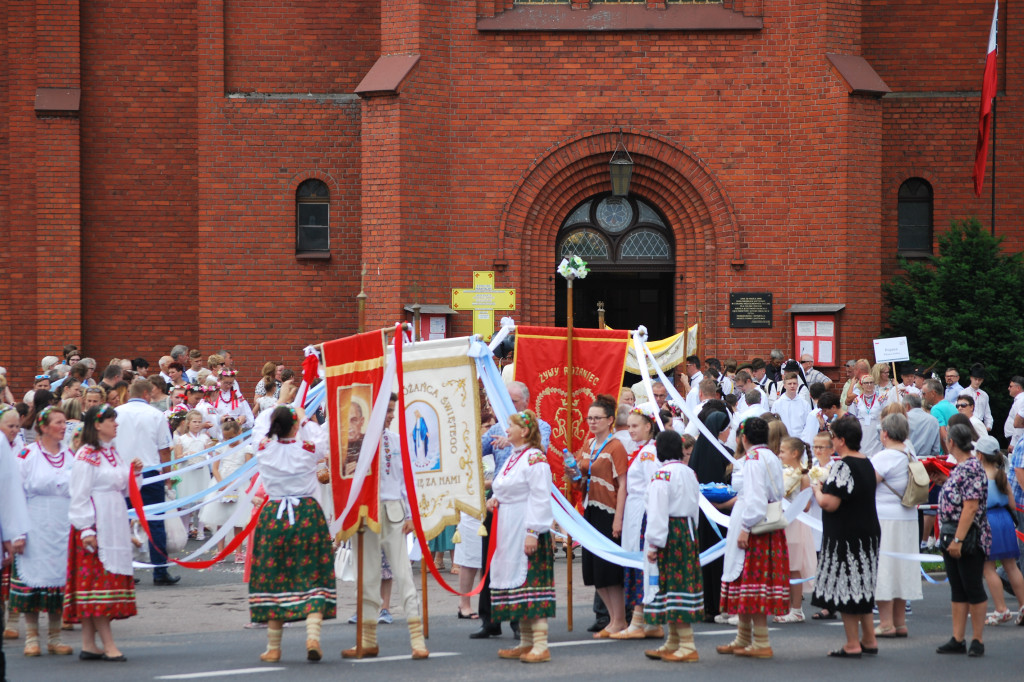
(136, 498)
(410, 486)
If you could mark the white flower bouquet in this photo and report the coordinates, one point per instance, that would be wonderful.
(573, 268)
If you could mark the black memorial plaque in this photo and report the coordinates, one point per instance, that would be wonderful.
(750, 309)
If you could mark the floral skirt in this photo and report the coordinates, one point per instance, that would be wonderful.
(292, 564)
(535, 598)
(633, 578)
(91, 591)
(25, 599)
(763, 586)
(680, 597)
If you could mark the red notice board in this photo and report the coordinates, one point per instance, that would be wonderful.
(816, 333)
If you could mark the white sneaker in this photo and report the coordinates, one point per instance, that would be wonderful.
(722, 619)
(734, 620)
(931, 543)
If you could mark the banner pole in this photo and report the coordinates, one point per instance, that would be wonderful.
(361, 297)
(700, 333)
(423, 587)
(568, 441)
(359, 592)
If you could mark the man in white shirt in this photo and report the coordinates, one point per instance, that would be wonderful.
(758, 372)
(1013, 428)
(791, 407)
(706, 390)
(724, 382)
(819, 418)
(953, 386)
(696, 376)
(744, 384)
(395, 523)
(757, 404)
(908, 383)
(982, 410)
(142, 433)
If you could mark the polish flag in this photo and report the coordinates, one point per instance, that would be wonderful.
(988, 93)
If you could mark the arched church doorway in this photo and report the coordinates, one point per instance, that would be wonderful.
(629, 248)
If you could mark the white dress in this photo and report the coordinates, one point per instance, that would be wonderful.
(638, 477)
(47, 490)
(868, 411)
(216, 514)
(99, 484)
(196, 480)
(522, 489)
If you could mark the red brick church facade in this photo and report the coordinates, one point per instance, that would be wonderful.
(153, 157)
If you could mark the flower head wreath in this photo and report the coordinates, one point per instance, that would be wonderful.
(646, 410)
(44, 414)
(527, 420)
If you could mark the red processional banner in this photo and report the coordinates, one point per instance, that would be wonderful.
(598, 362)
(355, 370)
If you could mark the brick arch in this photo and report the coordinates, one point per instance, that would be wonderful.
(679, 183)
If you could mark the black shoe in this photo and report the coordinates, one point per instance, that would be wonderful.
(976, 649)
(954, 647)
(515, 628)
(598, 626)
(485, 631)
(167, 580)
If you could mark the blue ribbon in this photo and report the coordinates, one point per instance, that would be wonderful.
(161, 507)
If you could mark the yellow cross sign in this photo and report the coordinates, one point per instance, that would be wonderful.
(483, 299)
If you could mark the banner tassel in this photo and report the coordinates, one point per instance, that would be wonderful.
(457, 538)
(481, 531)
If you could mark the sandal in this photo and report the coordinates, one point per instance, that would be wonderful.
(472, 615)
(824, 614)
(791, 617)
(999, 617)
(842, 653)
(890, 632)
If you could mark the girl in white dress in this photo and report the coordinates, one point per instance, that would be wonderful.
(216, 514)
(194, 440)
(37, 583)
(643, 464)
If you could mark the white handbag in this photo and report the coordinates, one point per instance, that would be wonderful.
(774, 519)
(345, 563)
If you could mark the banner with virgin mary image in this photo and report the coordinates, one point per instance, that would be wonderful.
(442, 412)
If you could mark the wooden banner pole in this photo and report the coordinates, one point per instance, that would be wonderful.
(423, 587)
(568, 441)
(359, 591)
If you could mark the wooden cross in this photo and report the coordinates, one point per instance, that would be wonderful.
(483, 299)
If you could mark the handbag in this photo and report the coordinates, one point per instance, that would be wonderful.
(918, 484)
(345, 563)
(774, 519)
(947, 531)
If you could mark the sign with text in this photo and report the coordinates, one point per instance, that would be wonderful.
(750, 309)
(892, 350)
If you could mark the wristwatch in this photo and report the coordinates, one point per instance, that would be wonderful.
(957, 540)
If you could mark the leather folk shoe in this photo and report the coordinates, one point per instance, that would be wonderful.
(420, 654)
(271, 656)
(673, 657)
(59, 649)
(368, 652)
(542, 657)
(513, 653)
(751, 652)
(313, 651)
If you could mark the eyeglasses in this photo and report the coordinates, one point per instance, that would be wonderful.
(596, 419)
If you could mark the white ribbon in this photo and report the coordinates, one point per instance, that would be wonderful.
(508, 325)
(288, 503)
(639, 341)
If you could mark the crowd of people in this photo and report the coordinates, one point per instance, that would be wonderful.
(764, 434)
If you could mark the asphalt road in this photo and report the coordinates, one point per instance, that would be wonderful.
(195, 630)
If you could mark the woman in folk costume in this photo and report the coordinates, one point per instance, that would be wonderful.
(867, 408)
(14, 521)
(672, 503)
(292, 563)
(100, 586)
(229, 402)
(37, 583)
(523, 566)
(755, 581)
(643, 464)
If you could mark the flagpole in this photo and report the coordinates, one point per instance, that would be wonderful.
(995, 98)
(568, 439)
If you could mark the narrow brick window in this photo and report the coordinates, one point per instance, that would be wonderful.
(915, 218)
(312, 218)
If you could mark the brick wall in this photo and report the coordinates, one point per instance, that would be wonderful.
(772, 176)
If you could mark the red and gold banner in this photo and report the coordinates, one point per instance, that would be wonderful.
(355, 370)
(598, 359)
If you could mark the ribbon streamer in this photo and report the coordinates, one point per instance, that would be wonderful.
(136, 497)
